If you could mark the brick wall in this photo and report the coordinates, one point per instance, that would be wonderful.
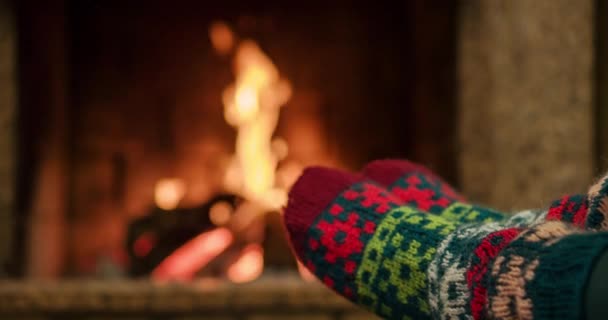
(8, 101)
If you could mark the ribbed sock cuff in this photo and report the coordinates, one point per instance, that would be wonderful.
(559, 285)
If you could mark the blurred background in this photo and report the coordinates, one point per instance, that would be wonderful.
(156, 140)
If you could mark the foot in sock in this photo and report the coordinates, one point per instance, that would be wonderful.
(401, 262)
(417, 186)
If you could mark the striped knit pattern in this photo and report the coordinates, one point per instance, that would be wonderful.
(398, 260)
(598, 205)
(450, 290)
(392, 264)
(542, 273)
(572, 209)
(454, 261)
(417, 186)
(393, 272)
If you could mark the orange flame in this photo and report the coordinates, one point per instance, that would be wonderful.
(248, 266)
(252, 106)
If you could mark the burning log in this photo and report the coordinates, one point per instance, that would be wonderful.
(157, 235)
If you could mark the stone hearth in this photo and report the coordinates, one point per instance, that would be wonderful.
(271, 297)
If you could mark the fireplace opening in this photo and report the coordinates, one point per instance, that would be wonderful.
(159, 139)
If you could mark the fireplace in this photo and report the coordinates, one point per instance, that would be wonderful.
(157, 140)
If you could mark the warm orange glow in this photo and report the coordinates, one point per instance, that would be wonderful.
(248, 266)
(246, 102)
(220, 213)
(184, 262)
(252, 106)
(288, 174)
(280, 148)
(244, 217)
(305, 273)
(222, 37)
(169, 192)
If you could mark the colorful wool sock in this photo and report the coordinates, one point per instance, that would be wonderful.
(404, 263)
(417, 186)
(597, 217)
(394, 173)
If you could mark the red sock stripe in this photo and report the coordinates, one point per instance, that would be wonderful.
(570, 209)
(487, 250)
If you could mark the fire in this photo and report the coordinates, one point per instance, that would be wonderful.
(220, 213)
(184, 262)
(222, 37)
(169, 192)
(248, 266)
(252, 106)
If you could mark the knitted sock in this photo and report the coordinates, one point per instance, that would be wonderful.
(597, 217)
(394, 173)
(403, 263)
(419, 187)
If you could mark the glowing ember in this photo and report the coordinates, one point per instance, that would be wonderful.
(248, 266)
(184, 262)
(168, 193)
(144, 244)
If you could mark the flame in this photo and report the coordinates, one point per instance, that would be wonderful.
(252, 106)
(222, 37)
(184, 262)
(248, 266)
(288, 174)
(220, 213)
(169, 192)
(280, 148)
